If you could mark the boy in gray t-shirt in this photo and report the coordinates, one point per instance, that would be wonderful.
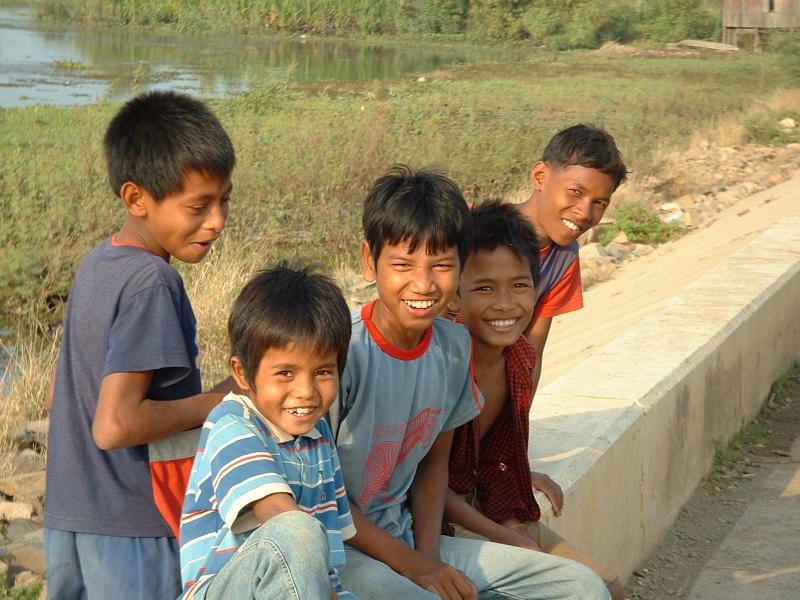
(407, 385)
(127, 386)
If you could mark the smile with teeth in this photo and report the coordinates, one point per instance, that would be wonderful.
(502, 324)
(570, 225)
(420, 304)
(300, 411)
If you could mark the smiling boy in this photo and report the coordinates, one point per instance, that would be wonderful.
(491, 483)
(573, 182)
(407, 385)
(266, 513)
(127, 386)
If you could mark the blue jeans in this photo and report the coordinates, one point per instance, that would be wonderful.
(86, 566)
(499, 571)
(286, 558)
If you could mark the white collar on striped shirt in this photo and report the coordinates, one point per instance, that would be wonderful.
(280, 435)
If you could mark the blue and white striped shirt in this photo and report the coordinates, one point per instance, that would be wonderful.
(241, 459)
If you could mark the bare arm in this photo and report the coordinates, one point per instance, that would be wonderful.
(458, 510)
(428, 493)
(430, 574)
(537, 336)
(125, 417)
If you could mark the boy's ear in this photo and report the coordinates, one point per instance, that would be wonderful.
(370, 272)
(539, 174)
(133, 197)
(237, 368)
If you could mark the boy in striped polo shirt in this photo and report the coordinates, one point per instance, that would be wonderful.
(266, 512)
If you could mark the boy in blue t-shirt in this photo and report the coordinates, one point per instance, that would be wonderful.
(126, 385)
(407, 385)
(266, 512)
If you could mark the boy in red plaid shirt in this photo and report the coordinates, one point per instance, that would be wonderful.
(491, 484)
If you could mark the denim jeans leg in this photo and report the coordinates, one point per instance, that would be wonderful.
(502, 571)
(370, 579)
(286, 558)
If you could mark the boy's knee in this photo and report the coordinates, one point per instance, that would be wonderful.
(294, 533)
(587, 585)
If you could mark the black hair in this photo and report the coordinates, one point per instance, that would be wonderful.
(586, 146)
(496, 224)
(158, 137)
(419, 206)
(283, 305)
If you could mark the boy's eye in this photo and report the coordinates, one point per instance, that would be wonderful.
(483, 288)
(401, 266)
(443, 267)
(576, 192)
(522, 285)
(284, 373)
(325, 373)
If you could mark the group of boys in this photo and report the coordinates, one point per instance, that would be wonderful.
(343, 446)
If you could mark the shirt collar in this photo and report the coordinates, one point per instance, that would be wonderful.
(279, 434)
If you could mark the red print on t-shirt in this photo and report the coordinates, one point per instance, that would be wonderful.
(391, 445)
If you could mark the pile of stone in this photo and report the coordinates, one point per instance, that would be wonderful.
(21, 500)
(696, 186)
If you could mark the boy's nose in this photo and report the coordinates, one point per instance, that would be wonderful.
(217, 217)
(423, 282)
(303, 387)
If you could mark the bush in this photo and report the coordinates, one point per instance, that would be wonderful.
(675, 20)
(786, 46)
(579, 23)
(641, 224)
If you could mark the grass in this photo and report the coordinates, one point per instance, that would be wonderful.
(307, 154)
(27, 592)
(641, 225)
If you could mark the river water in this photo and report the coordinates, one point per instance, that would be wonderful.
(68, 64)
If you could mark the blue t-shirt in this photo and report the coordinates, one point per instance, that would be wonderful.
(127, 311)
(392, 404)
(241, 459)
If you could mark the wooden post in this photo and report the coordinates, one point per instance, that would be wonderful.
(755, 40)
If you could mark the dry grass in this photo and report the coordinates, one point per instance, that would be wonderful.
(24, 384)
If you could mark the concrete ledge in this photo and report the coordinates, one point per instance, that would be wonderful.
(631, 430)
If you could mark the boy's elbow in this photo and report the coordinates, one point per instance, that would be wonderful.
(109, 435)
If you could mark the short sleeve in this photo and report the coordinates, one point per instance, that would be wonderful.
(470, 399)
(147, 335)
(244, 467)
(565, 296)
(341, 405)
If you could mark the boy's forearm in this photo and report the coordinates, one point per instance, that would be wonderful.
(428, 493)
(457, 510)
(375, 542)
(125, 417)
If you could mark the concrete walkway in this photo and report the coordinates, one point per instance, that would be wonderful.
(760, 557)
(614, 307)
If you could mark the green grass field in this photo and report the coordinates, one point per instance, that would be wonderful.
(307, 155)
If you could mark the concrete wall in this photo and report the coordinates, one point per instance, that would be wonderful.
(630, 431)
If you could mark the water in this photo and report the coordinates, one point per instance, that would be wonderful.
(41, 64)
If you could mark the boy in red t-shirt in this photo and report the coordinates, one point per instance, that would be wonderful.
(491, 484)
(580, 169)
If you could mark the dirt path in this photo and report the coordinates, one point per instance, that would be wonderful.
(738, 537)
(613, 307)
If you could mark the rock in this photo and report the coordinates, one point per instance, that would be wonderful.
(669, 207)
(19, 528)
(421, 79)
(692, 218)
(788, 123)
(596, 270)
(26, 553)
(3, 568)
(794, 451)
(592, 251)
(690, 201)
(33, 434)
(617, 251)
(27, 485)
(777, 178)
(28, 461)
(642, 249)
(621, 238)
(673, 216)
(15, 510)
(26, 578)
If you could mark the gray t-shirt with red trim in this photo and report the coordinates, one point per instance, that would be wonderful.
(392, 404)
(127, 311)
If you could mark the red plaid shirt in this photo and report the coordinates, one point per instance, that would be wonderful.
(496, 468)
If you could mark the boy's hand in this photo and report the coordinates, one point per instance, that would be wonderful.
(551, 489)
(439, 578)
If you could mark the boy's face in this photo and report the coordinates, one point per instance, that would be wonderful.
(293, 387)
(496, 296)
(573, 200)
(413, 289)
(185, 223)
